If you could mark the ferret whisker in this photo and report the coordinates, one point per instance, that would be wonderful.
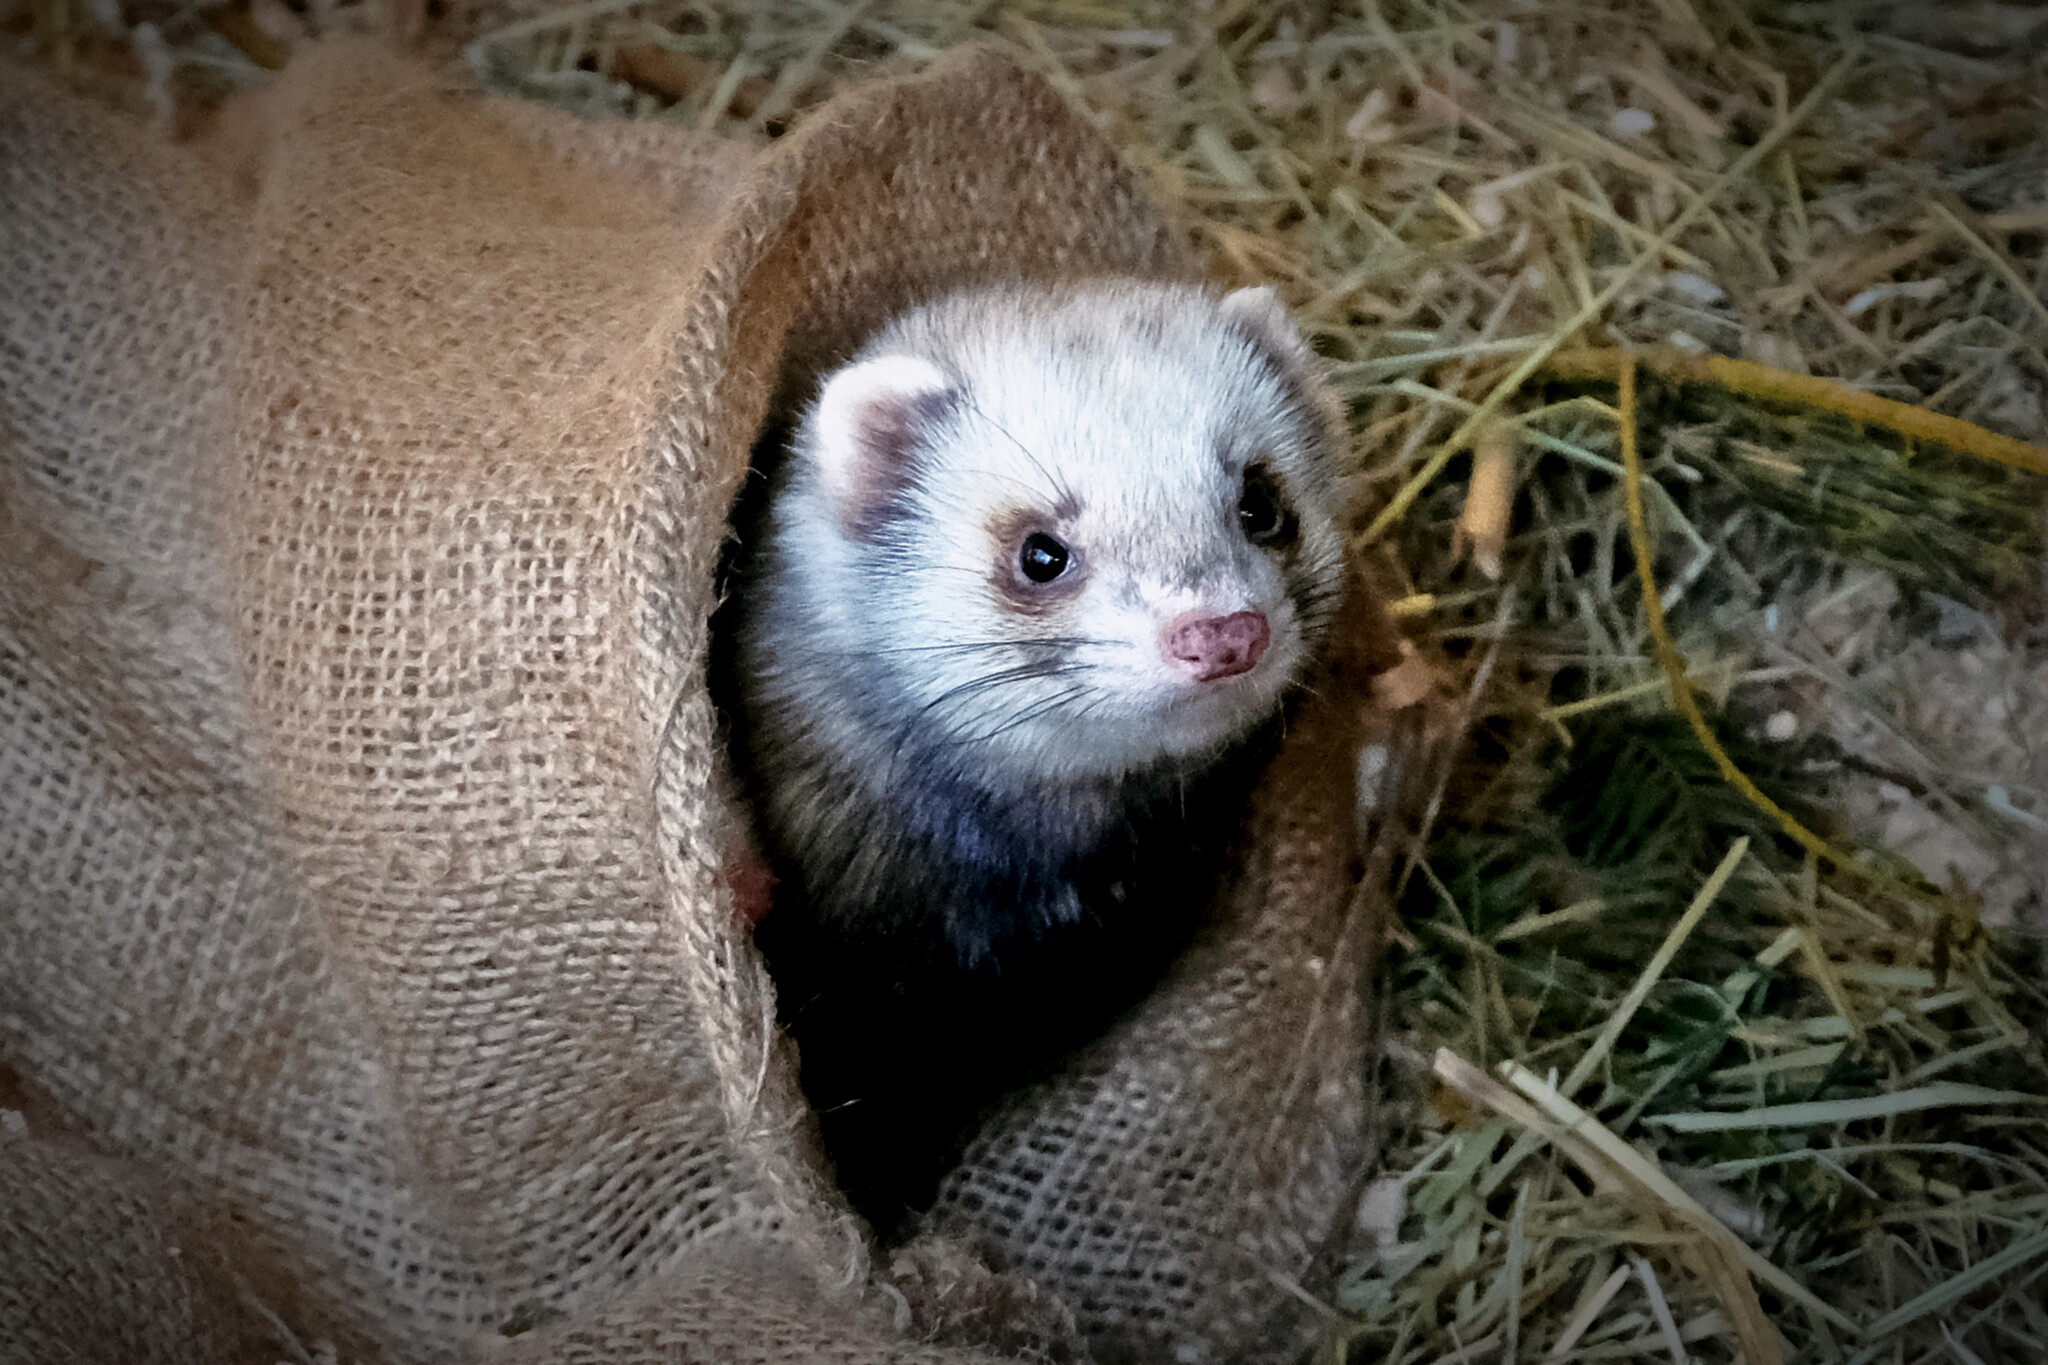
(1059, 485)
(1032, 491)
(1319, 599)
(985, 681)
(1102, 699)
(1025, 717)
(960, 648)
(1041, 707)
(963, 646)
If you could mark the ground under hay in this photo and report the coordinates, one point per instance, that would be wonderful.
(1668, 1076)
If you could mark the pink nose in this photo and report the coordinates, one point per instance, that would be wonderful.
(1216, 646)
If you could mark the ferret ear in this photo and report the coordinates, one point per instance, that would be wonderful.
(1261, 318)
(1260, 313)
(865, 435)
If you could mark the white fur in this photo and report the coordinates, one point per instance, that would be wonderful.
(836, 423)
(1142, 403)
(1259, 307)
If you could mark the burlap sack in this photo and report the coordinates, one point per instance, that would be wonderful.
(367, 984)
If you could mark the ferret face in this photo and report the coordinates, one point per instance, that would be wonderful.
(1070, 534)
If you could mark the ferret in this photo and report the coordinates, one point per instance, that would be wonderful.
(1008, 644)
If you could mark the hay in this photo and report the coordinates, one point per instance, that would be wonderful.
(1662, 1081)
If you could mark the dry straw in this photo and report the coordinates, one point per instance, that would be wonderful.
(1683, 1063)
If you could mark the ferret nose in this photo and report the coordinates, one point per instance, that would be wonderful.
(1215, 646)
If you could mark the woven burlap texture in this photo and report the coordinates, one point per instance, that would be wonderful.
(365, 970)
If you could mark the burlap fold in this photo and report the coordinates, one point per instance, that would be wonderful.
(366, 977)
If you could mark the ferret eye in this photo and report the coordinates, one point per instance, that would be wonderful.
(1043, 559)
(1262, 509)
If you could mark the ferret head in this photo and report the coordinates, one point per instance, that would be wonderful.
(1070, 533)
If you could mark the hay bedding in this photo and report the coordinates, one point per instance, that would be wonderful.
(1659, 1085)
